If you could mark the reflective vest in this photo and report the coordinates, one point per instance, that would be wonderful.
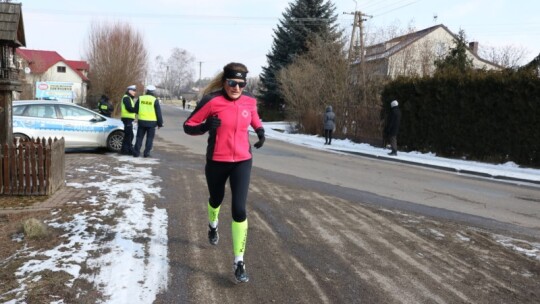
(125, 113)
(146, 108)
(104, 107)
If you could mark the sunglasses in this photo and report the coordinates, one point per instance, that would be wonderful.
(234, 83)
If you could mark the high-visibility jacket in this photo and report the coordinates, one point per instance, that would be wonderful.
(147, 111)
(125, 113)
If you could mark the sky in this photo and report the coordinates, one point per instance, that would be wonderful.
(121, 272)
(218, 32)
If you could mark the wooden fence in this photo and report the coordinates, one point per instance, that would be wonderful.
(34, 167)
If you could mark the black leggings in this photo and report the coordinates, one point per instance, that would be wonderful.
(328, 135)
(238, 174)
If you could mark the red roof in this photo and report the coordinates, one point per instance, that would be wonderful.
(79, 65)
(40, 61)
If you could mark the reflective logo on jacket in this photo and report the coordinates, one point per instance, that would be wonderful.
(147, 111)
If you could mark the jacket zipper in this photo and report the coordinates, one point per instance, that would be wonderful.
(235, 130)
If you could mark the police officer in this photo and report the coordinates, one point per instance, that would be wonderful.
(105, 107)
(150, 117)
(128, 116)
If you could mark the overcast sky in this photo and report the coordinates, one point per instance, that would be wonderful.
(217, 32)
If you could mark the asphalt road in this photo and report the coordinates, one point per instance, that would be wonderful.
(330, 228)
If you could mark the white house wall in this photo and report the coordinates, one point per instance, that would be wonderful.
(418, 57)
(52, 74)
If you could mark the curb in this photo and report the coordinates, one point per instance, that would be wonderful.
(442, 168)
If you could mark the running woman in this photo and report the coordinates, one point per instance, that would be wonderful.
(226, 112)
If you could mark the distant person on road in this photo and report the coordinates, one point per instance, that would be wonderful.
(226, 112)
(105, 107)
(329, 125)
(149, 111)
(392, 126)
(183, 103)
(128, 115)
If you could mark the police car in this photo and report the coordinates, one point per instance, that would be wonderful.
(80, 127)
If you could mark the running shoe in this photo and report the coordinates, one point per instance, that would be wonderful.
(240, 273)
(213, 235)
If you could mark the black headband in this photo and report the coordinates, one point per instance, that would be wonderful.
(234, 74)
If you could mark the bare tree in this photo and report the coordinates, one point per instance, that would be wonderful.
(179, 71)
(156, 73)
(313, 81)
(117, 58)
(508, 56)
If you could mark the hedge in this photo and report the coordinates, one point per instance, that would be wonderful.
(485, 116)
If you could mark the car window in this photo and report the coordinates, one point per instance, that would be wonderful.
(76, 113)
(18, 110)
(41, 111)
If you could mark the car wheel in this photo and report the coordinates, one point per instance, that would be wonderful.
(20, 137)
(114, 142)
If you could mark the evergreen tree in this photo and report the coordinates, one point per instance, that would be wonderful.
(532, 67)
(456, 60)
(301, 20)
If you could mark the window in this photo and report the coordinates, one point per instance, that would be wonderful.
(42, 111)
(61, 69)
(75, 113)
(18, 110)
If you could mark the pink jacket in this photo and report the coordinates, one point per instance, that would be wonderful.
(230, 141)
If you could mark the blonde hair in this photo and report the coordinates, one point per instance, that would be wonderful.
(217, 82)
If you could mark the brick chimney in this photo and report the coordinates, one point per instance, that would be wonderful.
(474, 47)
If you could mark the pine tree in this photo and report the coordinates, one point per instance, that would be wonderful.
(456, 60)
(301, 20)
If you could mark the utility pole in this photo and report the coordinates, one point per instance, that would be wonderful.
(167, 82)
(356, 47)
(200, 69)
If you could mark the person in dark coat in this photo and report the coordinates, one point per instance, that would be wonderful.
(329, 125)
(149, 117)
(128, 115)
(105, 107)
(392, 126)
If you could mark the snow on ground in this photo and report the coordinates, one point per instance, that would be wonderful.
(279, 130)
(127, 270)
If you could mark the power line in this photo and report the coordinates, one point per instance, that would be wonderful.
(147, 15)
(397, 8)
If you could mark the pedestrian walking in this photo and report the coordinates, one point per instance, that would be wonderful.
(128, 115)
(149, 113)
(392, 126)
(226, 112)
(183, 103)
(105, 107)
(329, 125)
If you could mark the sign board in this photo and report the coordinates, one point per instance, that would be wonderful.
(54, 90)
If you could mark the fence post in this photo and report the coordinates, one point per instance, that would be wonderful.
(40, 165)
(4, 175)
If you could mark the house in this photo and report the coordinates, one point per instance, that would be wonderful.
(50, 76)
(415, 53)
